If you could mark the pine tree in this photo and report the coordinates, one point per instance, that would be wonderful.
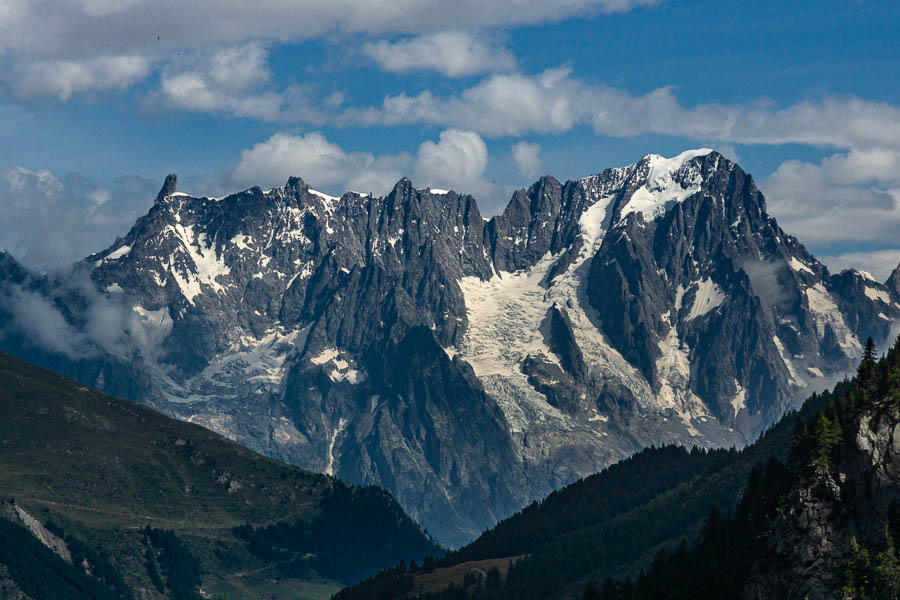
(887, 571)
(826, 435)
(493, 579)
(856, 573)
(867, 368)
(893, 377)
(869, 352)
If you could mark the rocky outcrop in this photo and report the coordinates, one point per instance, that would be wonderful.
(810, 543)
(11, 511)
(169, 187)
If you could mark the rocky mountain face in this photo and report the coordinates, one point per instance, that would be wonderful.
(468, 366)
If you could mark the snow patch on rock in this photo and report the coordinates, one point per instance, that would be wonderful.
(329, 460)
(673, 369)
(241, 241)
(207, 265)
(825, 312)
(739, 401)
(799, 266)
(792, 370)
(875, 294)
(118, 253)
(707, 297)
(323, 196)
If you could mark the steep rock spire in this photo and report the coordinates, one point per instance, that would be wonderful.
(169, 187)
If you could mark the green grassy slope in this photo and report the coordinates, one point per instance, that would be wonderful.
(102, 469)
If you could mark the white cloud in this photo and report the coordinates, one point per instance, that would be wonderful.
(379, 176)
(457, 160)
(43, 323)
(102, 8)
(109, 322)
(508, 104)
(310, 156)
(452, 53)
(50, 221)
(94, 27)
(555, 102)
(850, 197)
(222, 80)
(21, 181)
(238, 67)
(527, 157)
(321, 163)
(879, 263)
(67, 35)
(236, 81)
(62, 78)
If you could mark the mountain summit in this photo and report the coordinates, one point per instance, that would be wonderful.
(467, 365)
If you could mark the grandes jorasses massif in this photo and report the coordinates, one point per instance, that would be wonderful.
(467, 365)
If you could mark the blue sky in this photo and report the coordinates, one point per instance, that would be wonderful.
(477, 96)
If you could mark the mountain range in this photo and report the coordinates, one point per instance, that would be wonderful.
(467, 365)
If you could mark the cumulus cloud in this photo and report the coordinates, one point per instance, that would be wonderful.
(62, 78)
(311, 156)
(506, 104)
(452, 53)
(527, 157)
(456, 160)
(847, 198)
(222, 80)
(380, 175)
(50, 221)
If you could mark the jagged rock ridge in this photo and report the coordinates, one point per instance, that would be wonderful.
(469, 366)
